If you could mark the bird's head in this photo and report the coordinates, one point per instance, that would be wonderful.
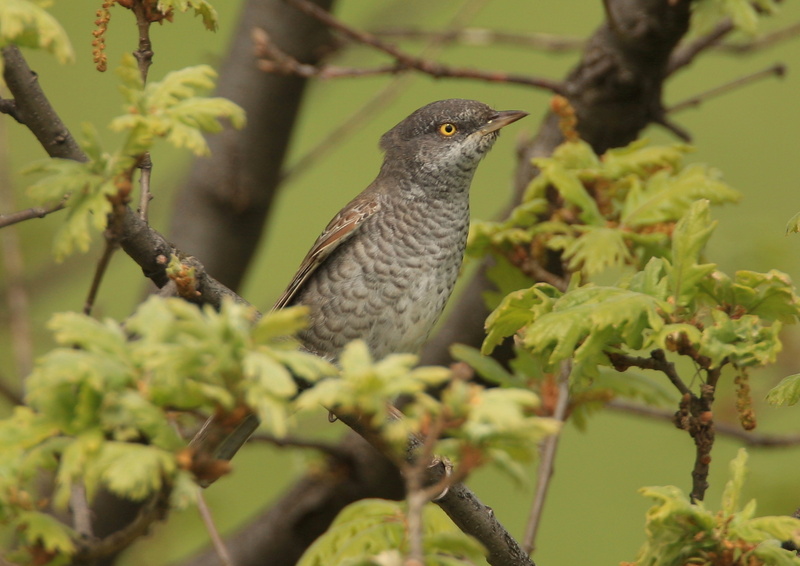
(445, 139)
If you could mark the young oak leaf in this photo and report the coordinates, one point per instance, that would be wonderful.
(689, 238)
(170, 109)
(588, 320)
(28, 24)
(201, 8)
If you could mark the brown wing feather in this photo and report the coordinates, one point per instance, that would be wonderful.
(342, 227)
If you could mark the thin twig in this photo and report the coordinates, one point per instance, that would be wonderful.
(81, 513)
(759, 43)
(547, 460)
(405, 61)
(685, 55)
(484, 36)
(657, 361)
(414, 473)
(30, 213)
(9, 107)
(332, 450)
(216, 539)
(99, 272)
(378, 102)
(734, 431)
(144, 52)
(777, 70)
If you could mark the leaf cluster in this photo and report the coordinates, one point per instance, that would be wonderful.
(26, 23)
(373, 532)
(105, 407)
(682, 532)
(170, 109)
(640, 211)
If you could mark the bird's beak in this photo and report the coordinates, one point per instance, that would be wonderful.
(502, 119)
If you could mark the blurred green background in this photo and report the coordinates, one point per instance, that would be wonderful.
(594, 514)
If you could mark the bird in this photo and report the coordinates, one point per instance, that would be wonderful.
(384, 267)
(386, 264)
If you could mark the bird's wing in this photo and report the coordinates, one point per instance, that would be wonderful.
(341, 228)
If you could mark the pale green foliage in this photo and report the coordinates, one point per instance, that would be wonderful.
(680, 532)
(99, 403)
(499, 423)
(171, 109)
(37, 528)
(26, 23)
(364, 386)
(787, 392)
(793, 226)
(86, 185)
(652, 223)
(744, 13)
(644, 191)
(201, 8)
(168, 108)
(374, 532)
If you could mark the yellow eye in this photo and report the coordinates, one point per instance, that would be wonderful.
(448, 129)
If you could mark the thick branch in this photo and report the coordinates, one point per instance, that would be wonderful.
(34, 110)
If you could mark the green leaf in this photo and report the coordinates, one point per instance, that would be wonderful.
(170, 109)
(134, 471)
(374, 527)
(516, 311)
(280, 324)
(488, 368)
(201, 8)
(641, 159)
(588, 320)
(39, 528)
(28, 24)
(507, 278)
(744, 340)
(568, 183)
(787, 392)
(597, 249)
(666, 196)
(364, 386)
(689, 239)
(793, 226)
(733, 488)
(87, 207)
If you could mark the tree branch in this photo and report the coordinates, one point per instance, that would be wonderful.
(777, 70)
(403, 60)
(483, 36)
(734, 431)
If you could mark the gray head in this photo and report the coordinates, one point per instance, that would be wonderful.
(445, 139)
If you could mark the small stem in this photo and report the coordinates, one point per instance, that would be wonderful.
(81, 513)
(217, 540)
(406, 61)
(547, 451)
(726, 429)
(685, 55)
(30, 213)
(777, 70)
(146, 169)
(144, 53)
(657, 361)
(99, 272)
